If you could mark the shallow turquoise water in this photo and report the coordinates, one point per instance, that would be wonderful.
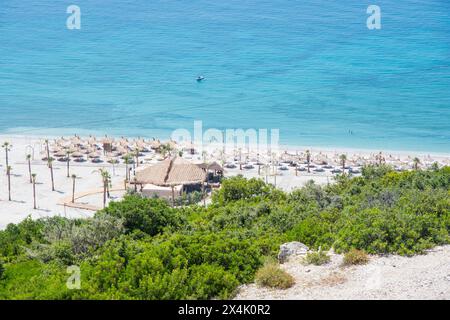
(310, 68)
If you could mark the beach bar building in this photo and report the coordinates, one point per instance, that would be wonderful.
(170, 178)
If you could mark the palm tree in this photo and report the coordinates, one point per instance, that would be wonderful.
(165, 149)
(50, 165)
(416, 162)
(68, 152)
(126, 159)
(74, 177)
(106, 178)
(33, 175)
(8, 172)
(48, 150)
(114, 162)
(275, 172)
(7, 148)
(308, 159)
(29, 167)
(136, 154)
(380, 158)
(204, 154)
(343, 159)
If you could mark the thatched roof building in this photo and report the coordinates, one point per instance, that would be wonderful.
(171, 172)
(214, 166)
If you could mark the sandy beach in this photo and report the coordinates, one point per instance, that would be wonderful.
(88, 186)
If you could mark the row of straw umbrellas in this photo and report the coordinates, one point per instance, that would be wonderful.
(321, 158)
(99, 150)
(109, 149)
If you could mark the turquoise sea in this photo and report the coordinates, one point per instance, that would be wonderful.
(310, 68)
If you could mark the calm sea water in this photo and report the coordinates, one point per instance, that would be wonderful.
(308, 67)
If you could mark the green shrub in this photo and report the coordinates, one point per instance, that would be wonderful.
(148, 215)
(16, 237)
(144, 249)
(271, 275)
(238, 188)
(317, 258)
(32, 279)
(355, 257)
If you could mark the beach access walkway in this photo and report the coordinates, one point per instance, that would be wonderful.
(67, 201)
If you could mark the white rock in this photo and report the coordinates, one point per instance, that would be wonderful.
(289, 249)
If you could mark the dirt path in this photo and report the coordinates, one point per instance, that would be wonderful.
(394, 277)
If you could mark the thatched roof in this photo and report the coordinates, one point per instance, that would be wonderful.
(107, 140)
(210, 166)
(155, 144)
(171, 172)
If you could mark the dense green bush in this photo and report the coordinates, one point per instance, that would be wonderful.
(180, 266)
(240, 188)
(148, 215)
(32, 279)
(144, 249)
(17, 236)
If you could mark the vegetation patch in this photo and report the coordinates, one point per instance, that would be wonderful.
(144, 249)
(272, 276)
(355, 257)
(317, 258)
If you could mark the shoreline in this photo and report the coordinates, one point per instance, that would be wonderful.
(282, 147)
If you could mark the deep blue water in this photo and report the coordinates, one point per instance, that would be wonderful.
(310, 68)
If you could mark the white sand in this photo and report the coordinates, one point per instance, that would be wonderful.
(392, 277)
(21, 205)
(88, 179)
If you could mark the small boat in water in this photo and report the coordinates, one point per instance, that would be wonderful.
(200, 78)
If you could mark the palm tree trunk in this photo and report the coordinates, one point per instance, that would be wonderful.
(9, 183)
(73, 191)
(29, 170)
(34, 194)
(275, 176)
(7, 158)
(48, 152)
(173, 197)
(68, 165)
(104, 195)
(51, 175)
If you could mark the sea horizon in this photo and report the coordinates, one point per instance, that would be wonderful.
(315, 72)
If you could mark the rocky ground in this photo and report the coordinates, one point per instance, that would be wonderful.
(390, 277)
